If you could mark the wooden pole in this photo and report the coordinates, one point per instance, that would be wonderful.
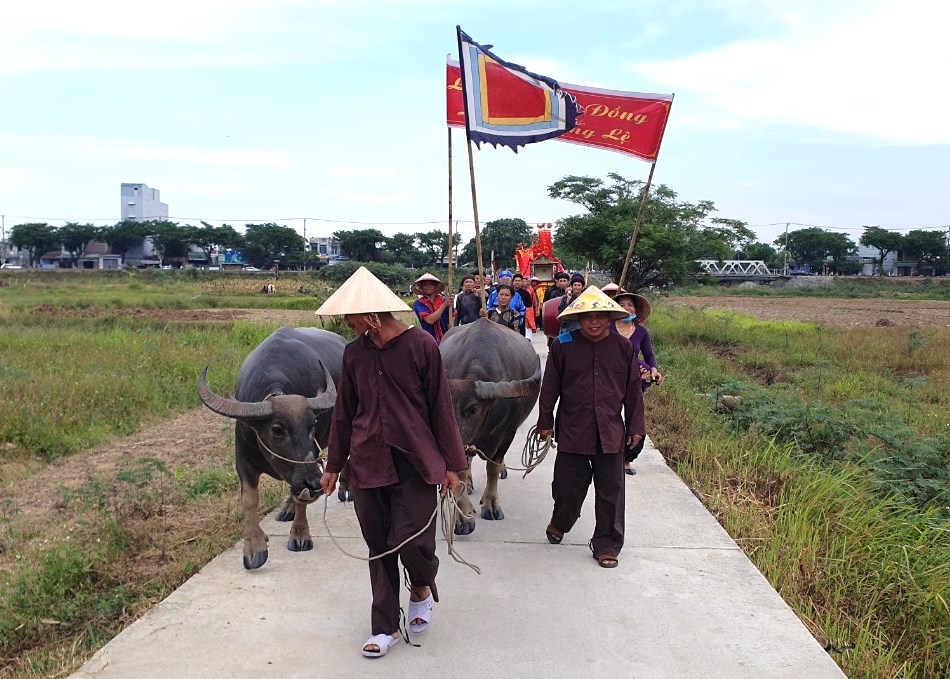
(478, 232)
(636, 227)
(451, 242)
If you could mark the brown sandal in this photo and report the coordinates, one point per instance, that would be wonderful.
(554, 535)
(603, 560)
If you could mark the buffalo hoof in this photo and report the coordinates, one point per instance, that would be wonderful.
(344, 495)
(256, 561)
(465, 526)
(504, 473)
(490, 514)
(295, 545)
(285, 515)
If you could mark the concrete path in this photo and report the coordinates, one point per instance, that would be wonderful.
(684, 602)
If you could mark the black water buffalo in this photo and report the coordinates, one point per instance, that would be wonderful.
(282, 401)
(495, 376)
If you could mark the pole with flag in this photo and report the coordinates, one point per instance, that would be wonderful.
(505, 104)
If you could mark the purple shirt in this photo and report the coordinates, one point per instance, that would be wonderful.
(641, 343)
(595, 382)
(394, 397)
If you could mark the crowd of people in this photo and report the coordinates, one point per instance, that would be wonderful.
(394, 427)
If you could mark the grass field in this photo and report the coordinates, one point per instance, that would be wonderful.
(830, 470)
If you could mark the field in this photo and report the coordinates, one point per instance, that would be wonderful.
(831, 468)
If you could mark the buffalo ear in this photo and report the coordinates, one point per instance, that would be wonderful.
(326, 399)
(513, 389)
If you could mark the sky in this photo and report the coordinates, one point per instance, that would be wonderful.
(822, 113)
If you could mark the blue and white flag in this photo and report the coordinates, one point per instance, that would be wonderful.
(507, 104)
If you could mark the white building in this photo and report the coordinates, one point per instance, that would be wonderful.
(139, 202)
(325, 246)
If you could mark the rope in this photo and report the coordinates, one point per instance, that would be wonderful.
(534, 451)
(449, 508)
(320, 452)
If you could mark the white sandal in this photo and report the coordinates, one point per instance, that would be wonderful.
(380, 641)
(420, 610)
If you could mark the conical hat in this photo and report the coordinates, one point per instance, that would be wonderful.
(640, 303)
(439, 285)
(592, 299)
(361, 293)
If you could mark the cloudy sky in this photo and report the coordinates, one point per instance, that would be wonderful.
(815, 112)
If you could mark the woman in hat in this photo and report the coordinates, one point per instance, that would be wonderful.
(631, 327)
(393, 426)
(592, 376)
(432, 307)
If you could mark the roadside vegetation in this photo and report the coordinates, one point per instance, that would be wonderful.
(824, 452)
(868, 287)
(826, 455)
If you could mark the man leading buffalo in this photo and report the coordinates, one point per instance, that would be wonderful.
(393, 423)
(594, 374)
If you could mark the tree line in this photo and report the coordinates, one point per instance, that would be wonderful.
(261, 244)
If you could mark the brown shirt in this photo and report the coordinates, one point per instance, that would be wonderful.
(594, 382)
(394, 397)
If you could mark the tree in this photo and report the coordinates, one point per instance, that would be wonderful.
(269, 243)
(813, 246)
(402, 249)
(210, 238)
(171, 241)
(125, 235)
(928, 247)
(35, 239)
(883, 240)
(434, 245)
(673, 234)
(762, 252)
(75, 238)
(363, 245)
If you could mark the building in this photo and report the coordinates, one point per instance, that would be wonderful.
(870, 261)
(325, 246)
(141, 203)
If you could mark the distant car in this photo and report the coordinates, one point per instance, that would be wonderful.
(10, 266)
(252, 269)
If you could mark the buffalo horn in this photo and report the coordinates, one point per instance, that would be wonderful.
(325, 400)
(513, 389)
(239, 410)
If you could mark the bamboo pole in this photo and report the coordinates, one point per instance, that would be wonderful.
(451, 241)
(636, 227)
(478, 232)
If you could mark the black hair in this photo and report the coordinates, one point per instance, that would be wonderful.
(505, 286)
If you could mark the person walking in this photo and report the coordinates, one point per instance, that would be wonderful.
(393, 426)
(432, 308)
(593, 378)
(631, 327)
(468, 302)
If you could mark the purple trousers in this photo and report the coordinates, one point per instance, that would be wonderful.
(572, 477)
(387, 516)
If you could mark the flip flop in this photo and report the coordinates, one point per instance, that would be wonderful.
(420, 610)
(554, 535)
(603, 560)
(381, 641)
(629, 470)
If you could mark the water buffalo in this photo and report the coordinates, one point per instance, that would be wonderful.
(495, 376)
(282, 401)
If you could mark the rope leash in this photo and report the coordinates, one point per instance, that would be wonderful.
(450, 510)
(532, 455)
(320, 458)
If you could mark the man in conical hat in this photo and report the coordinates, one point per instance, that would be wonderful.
(432, 308)
(394, 426)
(592, 374)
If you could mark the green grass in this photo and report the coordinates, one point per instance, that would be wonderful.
(852, 529)
(847, 286)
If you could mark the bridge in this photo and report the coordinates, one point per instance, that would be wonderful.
(738, 270)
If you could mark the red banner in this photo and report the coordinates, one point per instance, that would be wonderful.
(626, 122)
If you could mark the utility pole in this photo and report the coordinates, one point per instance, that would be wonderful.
(3, 239)
(785, 247)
